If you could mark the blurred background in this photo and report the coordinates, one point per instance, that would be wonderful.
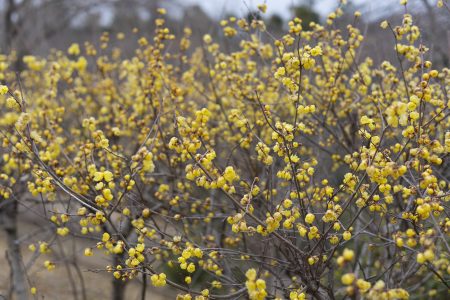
(35, 26)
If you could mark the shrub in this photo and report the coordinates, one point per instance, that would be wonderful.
(287, 168)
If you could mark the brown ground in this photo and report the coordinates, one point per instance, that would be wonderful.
(56, 284)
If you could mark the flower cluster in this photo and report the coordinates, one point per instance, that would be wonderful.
(286, 168)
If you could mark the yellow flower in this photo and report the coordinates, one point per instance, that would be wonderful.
(229, 174)
(49, 265)
(251, 274)
(3, 90)
(262, 7)
(347, 279)
(158, 280)
(310, 218)
(421, 258)
(190, 268)
(316, 51)
(107, 194)
(428, 254)
(98, 176)
(108, 176)
(74, 49)
(88, 252)
(161, 11)
(348, 254)
(363, 285)
(347, 235)
(105, 237)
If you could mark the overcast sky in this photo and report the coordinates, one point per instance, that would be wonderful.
(372, 9)
(216, 8)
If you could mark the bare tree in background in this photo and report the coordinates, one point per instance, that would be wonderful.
(437, 33)
(27, 23)
(35, 26)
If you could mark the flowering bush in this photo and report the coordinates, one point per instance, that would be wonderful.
(288, 168)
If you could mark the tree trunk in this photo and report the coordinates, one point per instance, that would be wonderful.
(118, 292)
(8, 214)
(10, 30)
(118, 285)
